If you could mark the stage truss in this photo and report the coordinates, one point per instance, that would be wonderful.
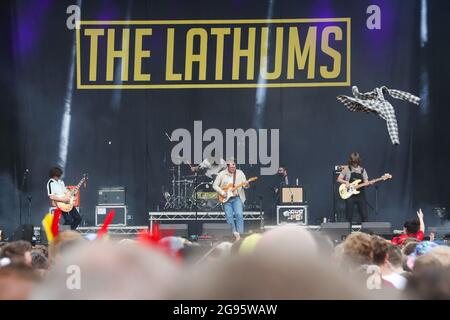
(200, 216)
(115, 230)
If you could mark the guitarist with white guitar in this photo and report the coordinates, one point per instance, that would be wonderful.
(233, 198)
(57, 192)
(354, 171)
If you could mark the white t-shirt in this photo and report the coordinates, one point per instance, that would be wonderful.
(397, 280)
(56, 188)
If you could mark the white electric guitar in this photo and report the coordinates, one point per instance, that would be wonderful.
(347, 191)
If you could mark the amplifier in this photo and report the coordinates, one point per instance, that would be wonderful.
(292, 194)
(120, 216)
(292, 214)
(111, 196)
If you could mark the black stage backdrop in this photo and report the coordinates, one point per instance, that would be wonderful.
(118, 136)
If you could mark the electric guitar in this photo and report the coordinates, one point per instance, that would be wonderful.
(347, 191)
(229, 189)
(66, 207)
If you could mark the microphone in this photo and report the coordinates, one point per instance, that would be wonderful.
(85, 181)
(25, 174)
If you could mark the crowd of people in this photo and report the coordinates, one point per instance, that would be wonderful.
(288, 262)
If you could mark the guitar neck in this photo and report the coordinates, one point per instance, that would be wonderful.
(77, 187)
(238, 185)
(243, 183)
(369, 182)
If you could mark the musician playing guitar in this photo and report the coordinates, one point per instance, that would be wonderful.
(350, 173)
(56, 190)
(234, 207)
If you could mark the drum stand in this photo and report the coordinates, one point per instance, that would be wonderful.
(196, 209)
(179, 187)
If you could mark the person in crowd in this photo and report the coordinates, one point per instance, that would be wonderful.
(358, 249)
(412, 229)
(433, 283)
(109, 271)
(62, 241)
(409, 247)
(431, 275)
(17, 281)
(383, 253)
(438, 257)
(17, 252)
(275, 267)
(421, 249)
(39, 262)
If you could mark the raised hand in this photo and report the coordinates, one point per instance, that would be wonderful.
(420, 214)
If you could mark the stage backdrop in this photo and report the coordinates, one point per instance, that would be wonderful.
(63, 102)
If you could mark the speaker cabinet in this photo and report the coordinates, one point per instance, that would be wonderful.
(291, 195)
(120, 215)
(336, 231)
(23, 232)
(380, 228)
(174, 229)
(218, 230)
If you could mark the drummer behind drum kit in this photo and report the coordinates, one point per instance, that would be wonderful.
(192, 192)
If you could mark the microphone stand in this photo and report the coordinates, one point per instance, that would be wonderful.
(333, 184)
(29, 198)
(261, 218)
(376, 200)
(22, 192)
(197, 227)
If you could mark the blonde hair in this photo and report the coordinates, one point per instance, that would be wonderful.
(358, 248)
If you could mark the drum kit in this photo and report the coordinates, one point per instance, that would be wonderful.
(191, 192)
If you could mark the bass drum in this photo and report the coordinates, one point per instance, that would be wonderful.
(205, 197)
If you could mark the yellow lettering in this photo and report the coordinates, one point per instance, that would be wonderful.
(191, 57)
(220, 34)
(94, 34)
(170, 75)
(139, 54)
(336, 70)
(113, 54)
(249, 53)
(278, 54)
(296, 54)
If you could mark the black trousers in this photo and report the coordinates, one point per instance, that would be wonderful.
(72, 218)
(357, 200)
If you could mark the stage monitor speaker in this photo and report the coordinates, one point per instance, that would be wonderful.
(174, 229)
(119, 219)
(111, 196)
(218, 230)
(292, 194)
(23, 232)
(337, 231)
(380, 228)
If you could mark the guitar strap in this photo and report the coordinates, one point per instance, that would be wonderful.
(234, 178)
